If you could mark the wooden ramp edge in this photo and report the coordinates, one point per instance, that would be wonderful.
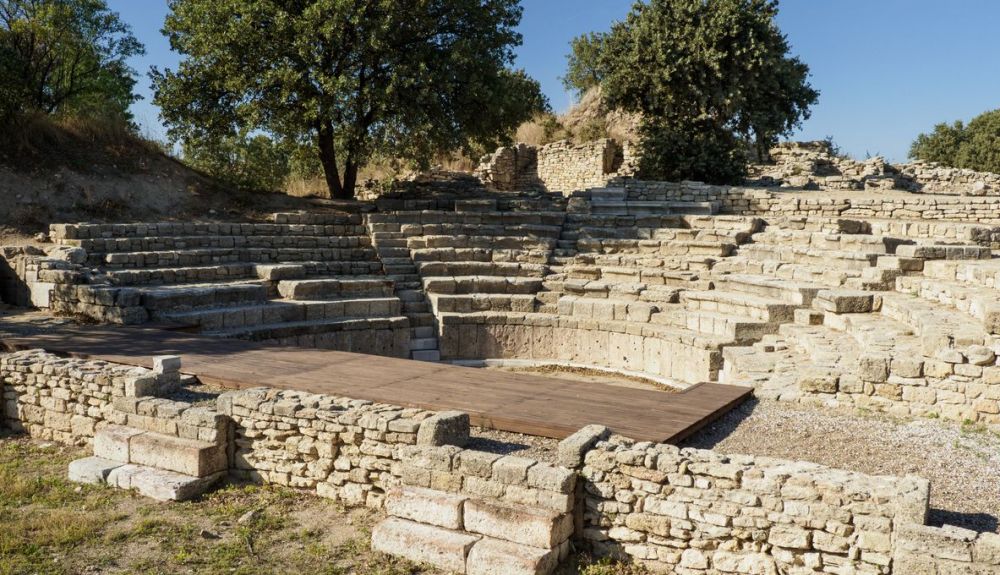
(520, 403)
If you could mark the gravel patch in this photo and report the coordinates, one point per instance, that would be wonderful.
(508, 443)
(961, 462)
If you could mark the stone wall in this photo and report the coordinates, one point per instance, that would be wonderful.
(693, 511)
(641, 349)
(557, 167)
(344, 449)
(814, 165)
(675, 510)
(68, 400)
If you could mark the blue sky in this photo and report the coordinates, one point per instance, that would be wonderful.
(886, 69)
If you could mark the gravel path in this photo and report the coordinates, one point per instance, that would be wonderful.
(962, 463)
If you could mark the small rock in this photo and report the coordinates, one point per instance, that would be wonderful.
(249, 516)
(206, 534)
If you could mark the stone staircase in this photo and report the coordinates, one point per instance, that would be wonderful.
(391, 245)
(309, 280)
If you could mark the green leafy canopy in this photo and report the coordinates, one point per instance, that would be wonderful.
(398, 78)
(974, 146)
(65, 57)
(716, 75)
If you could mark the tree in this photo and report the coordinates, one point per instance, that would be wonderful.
(256, 162)
(717, 72)
(65, 57)
(398, 78)
(973, 146)
(941, 145)
(583, 67)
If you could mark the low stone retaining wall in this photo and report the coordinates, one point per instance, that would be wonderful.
(557, 167)
(674, 510)
(68, 400)
(646, 349)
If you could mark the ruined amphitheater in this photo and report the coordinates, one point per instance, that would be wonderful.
(828, 285)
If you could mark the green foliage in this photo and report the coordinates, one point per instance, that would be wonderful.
(698, 150)
(593, 129)
(975, 146)
(941, 145)
(583, 70)
(715, 72)
(256, 162)
(397, 78)
(66, 58)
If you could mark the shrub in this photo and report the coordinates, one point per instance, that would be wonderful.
(975, 146)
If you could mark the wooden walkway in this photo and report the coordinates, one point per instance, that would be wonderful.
(520, 403)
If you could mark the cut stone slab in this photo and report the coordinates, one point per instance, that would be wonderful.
(572, 449)
(421, 543)
(525, 525)
(845, 301)
(113, 441)
(426, 506)
(279, 271)
(445, 428)
(495, 557)
(160, 484)
(94, 470)
(186, 456)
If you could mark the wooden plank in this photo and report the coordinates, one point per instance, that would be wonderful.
(507, 401)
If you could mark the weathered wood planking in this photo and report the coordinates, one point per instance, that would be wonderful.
(514, 402)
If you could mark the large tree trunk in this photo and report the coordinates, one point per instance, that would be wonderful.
(328, 158)
(350, 177)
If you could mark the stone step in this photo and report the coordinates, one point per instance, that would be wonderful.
(484, 242)
(798, 293)
(945, 252)
(411, 295)
(482, 285)
(415, 307)
(383, 243)
(99, 249)
(236, 271)
(424, 344)
(469, 303)
(977, 302)
(480, 229)
(442, 548)
(186, 456)
(500, 218)
(474, 268)
(180, 297)
(423, 332)
(480, 255)
(277, 312)
(337, 226)
(739, 304)
(421, 319)
(426, 355)
(940, 328)
(399, 270)
(393, 252)
(305, 329)
(982, 273)
(656, 247)
(739, 329)
(202, 257)
(860, 243)
(828, 259)
(336, 288)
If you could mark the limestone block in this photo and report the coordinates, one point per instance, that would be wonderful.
(91, 469)
(518, 524)
(494, 557)
(426, 506)
(166, 364)
(160, 484)
(444, 549)
(186, 456)
(571, 451)
(113, 441)
(445, 428)
(845, 301)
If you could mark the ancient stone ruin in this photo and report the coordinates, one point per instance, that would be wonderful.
(883, 299)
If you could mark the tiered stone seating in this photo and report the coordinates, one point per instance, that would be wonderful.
(311, 280)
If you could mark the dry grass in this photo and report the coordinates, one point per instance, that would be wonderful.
(41, 142)
(585, 121)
